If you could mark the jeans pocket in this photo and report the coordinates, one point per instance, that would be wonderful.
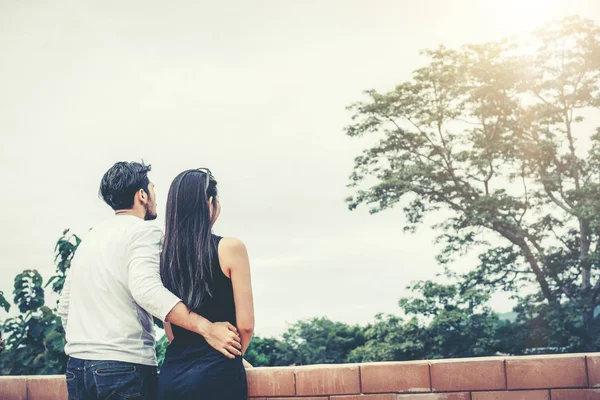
(116, 382)
(116, 370)
(72, 385)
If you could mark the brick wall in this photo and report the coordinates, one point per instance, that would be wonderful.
(556, 377)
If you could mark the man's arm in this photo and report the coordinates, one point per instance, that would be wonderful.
(149, 292)
(222, 336)
(63, 303)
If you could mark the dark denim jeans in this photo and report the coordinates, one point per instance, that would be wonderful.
(110, 380)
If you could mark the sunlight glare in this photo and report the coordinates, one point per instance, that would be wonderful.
(518, 17)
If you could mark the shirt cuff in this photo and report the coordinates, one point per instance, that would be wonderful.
(169, 306)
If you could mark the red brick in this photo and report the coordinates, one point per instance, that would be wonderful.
(327, 379)
(555, 371)
(593, 364)
(13, 387)
(387, 396)
(434, 396)
(575, 394)
(513, 395)
(467, 374)
(271, 381)
(47, 387)
(292, 398)
(395, 377)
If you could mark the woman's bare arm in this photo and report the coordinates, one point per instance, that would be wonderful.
(235, 263)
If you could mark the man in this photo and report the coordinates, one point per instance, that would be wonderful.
(112, 291)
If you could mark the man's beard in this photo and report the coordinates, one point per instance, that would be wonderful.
(150, 215)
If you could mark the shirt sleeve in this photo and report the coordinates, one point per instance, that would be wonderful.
(63, 303)
(143, 265)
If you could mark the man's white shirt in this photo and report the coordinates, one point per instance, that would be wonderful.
(112, 290)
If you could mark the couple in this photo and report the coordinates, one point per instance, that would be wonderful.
(199, 284)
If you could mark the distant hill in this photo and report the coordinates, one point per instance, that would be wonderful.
(508, 316)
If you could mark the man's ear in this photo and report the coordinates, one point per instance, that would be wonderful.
(143, 196)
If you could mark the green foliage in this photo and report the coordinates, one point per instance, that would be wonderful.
(3, 302)
(444, 321)
(161, 349)
(35, 339)
(320, 341)
(491, 134)
(264, 352)
(461, 323)
(64, 253)
(389, 338)
(314, 341)
(439, 321)
(34, 344)
(28, 292)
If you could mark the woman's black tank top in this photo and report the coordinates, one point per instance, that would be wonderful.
(218, 308)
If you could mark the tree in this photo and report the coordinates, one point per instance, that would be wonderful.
(64, 252)
(491, 134)
(389, 338)
(35, 340)
(441, 321)
(457, 321)
(319, 341)
(265, 352)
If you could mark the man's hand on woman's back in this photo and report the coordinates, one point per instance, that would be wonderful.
(224, 337)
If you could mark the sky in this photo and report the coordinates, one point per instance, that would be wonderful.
(254, 90)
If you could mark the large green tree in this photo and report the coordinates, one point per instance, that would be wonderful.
(492, 139)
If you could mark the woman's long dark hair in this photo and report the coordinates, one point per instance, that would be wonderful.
(188, 248)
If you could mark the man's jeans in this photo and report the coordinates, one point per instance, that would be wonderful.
(110, 380)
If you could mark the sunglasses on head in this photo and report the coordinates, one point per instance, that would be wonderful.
(208, 175)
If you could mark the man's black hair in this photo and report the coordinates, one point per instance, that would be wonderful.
(121, 182)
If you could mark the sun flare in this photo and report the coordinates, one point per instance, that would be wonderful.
(519, 17)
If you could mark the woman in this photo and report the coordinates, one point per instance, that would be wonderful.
(212, 276)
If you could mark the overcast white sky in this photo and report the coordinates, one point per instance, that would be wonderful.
(255, 90)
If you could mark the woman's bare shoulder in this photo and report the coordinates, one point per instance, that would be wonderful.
(231, 246)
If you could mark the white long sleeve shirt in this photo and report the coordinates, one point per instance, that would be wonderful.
(111, 292)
